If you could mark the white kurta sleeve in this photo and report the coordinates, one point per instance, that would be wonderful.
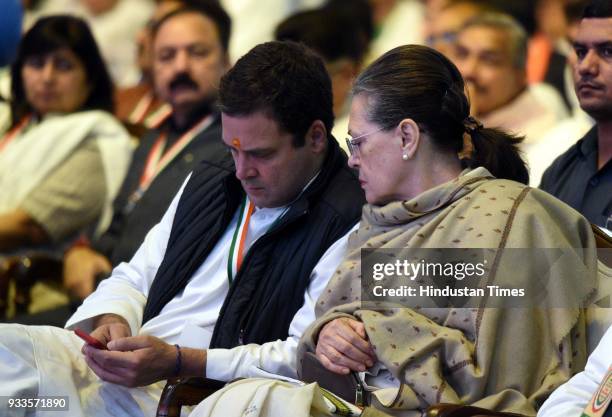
(278, 357)
(125, 292)
(571, 398)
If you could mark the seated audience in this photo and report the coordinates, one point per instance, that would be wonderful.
(191, 133)
(341, 40)
(225, 284)
(587, 391)
(556, 21)
(64, 156)
(567, 132)
(256, 20)
(10, 31)
(442, 27)
(435, 178)
(396, 22)
(138, 106)
(114, 24)
(491, 52)
(582, 176)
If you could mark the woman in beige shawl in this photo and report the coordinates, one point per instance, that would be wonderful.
(429, 173)
(432, 176)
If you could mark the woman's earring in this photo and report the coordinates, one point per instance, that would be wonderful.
(405, 157)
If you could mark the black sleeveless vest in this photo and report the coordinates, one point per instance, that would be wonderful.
(269, 288)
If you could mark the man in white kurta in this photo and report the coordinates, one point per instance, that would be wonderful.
(279, 179)
(571, 398)
(35, 359)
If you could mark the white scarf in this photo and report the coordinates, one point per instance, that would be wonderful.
(38, 150)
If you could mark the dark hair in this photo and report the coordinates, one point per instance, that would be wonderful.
(208, 8)
(598, 9)
(522, 10)
(420, 83)
(50, 34)
(574, 9)
(330, 32)
(484, 5)
(285, 79)
(360, 11)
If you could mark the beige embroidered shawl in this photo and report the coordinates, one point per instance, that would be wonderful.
(506, 359)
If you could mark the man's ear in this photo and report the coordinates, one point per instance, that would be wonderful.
(316, 137)
(410, 135)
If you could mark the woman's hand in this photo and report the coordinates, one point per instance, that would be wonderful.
(343, 346)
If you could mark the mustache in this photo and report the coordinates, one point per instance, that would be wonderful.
(182, 80)
(251, 183)
(587, 82)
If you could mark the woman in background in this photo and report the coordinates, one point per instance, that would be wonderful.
(64, 156)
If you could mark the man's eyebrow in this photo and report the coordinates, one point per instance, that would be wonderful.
(577, 44)
(249, 151)
(353, 134)
(492, 53)
(256, 151)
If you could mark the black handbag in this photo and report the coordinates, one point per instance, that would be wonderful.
(348, 387)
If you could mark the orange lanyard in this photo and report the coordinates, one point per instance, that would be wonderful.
(236, 253)
(11, 134)
(158, 116)
(142, 108)
(142, 112)
(158, 159)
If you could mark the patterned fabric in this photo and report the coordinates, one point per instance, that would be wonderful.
(505, 359)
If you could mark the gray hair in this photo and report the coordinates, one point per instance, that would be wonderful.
(420, 83)
(501, 21)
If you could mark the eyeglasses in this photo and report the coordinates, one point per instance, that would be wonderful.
(353, 143)
(446, 37)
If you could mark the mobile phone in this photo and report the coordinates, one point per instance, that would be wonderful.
(91, 341)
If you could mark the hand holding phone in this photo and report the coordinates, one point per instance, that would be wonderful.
(91, 341)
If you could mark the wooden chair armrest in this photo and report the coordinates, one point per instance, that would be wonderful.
(185, 391)
(453, 410)
(604, 244)
(601, 238)
(24, 271)
(35, 266)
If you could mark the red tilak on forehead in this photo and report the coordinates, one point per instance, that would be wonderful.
(236, 143)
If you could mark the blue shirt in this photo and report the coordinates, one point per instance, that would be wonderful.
(10, 30)
(574, 178)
